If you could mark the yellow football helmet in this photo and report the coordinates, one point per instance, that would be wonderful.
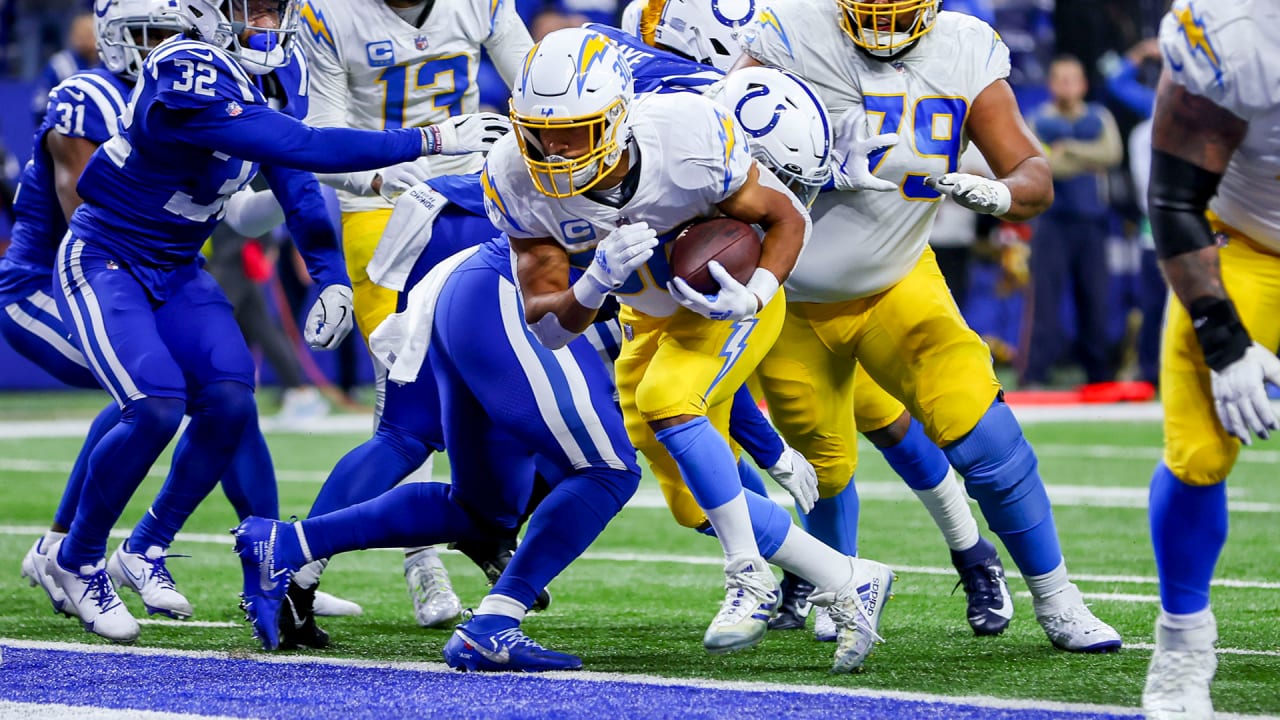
(889, 28)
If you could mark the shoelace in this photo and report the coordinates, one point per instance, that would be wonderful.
(861, 619)
(99, 590)
(981, 582)
(515, 637)
(160, 571)
(736, 586)
(436, 581)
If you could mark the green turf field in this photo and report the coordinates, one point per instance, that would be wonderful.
(640, 600)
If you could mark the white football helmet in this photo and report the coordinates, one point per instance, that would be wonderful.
(573, 79)
(270, 24)
(887, 29)
(790, 131)
(704, 30)
(128, 29)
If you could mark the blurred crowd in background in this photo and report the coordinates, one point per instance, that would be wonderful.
(1073, 299)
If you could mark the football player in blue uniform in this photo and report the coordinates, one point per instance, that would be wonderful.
(82, 113)
(164, 341)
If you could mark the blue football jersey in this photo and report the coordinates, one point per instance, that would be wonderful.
(150, 196)
(87, 105)
(657, 70)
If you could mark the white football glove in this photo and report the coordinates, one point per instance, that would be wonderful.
(330, 318)
(1240, 394)
(796, 474)
(734, 302)
(621, 253)
(849, 166)
(464, 134)
(979, 194)
(397, 179)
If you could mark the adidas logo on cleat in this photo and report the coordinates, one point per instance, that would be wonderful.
(869, 594)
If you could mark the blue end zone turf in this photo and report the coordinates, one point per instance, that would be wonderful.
(295, 687)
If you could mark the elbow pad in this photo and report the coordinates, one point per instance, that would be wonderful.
(1178, 197)
(550, 332)
(253, 213)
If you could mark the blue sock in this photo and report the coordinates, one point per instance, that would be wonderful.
(705, 461)
(219, 413)
(410, 515)
(369, 470)
(917, 460)
(1188, 530)
(116, 467)
(250, 481)
(569, 519)
(834, 520)
(106, 420)
(751, 479)
(752, 430)
(1001, 473)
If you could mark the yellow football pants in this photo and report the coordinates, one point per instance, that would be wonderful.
(912, 342)
(686, 364)
(361, 232)
(1196, 448)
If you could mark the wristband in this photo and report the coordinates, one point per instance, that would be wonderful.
(1218, 328)
(764, 285)
(431, 140)
(590, 293)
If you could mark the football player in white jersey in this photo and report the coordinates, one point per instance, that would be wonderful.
(399, 63)
(911, 86)
(596, 178)
(707, 30)
(1215, 218)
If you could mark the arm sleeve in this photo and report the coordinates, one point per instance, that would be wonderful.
(308, 221)
(260, 134)
(1125, 87)
(327, 103)
(508, 42)
(748, 426)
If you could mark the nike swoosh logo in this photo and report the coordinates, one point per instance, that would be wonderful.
(135, 578)
(76, 95)
(502, 657)
(206, 56)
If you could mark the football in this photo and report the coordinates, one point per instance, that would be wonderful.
(732, 243)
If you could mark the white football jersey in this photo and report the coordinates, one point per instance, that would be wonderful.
(864, 242)
(692, 155)
(372, 70)
(1228, 52)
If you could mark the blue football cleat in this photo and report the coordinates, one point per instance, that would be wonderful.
(507, 650)
(990, 607)
(266, 577)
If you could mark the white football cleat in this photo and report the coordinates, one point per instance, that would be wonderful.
(824, 628)
(750, 602)
(434, 602)
(35, 568)
(1180, 673)
(856, 609)
(1071, 626)
(95, 600)
(327, 605)
(147, 575)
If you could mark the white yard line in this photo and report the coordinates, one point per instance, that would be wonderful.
(31, 531)
(25, 711)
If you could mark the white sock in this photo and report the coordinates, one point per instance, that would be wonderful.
(501, 605)
(1187, 621)
(732, 523)
(950, 510)
(813, 560)
(51, 537)
(1049, 591)
(308, 575)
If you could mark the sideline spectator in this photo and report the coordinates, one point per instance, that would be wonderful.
(80, 53)
(1069, 247)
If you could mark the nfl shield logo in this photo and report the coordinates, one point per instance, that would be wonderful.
(420, 42)
(234, 108)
